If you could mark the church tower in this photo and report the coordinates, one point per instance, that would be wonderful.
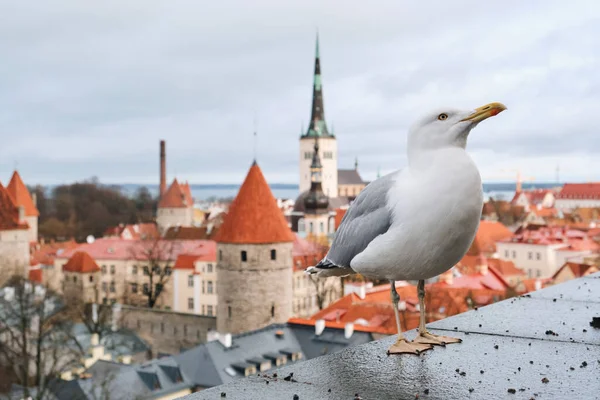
(317, 130)
(316, 203)
(254, 260)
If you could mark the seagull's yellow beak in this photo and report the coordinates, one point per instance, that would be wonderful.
(489, 110)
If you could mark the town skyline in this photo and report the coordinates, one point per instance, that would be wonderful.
(201, 84)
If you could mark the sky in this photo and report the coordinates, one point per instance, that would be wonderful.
(89, 88)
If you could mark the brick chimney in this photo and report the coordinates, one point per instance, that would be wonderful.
(163, 169)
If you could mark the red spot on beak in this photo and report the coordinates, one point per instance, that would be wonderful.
(494, 111)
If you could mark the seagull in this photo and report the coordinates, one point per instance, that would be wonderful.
(417, 222)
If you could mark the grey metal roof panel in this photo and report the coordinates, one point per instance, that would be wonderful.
(349, 177)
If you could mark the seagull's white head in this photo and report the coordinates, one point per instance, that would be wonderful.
(448, 127)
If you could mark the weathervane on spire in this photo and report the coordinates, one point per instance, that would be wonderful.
(255, 136)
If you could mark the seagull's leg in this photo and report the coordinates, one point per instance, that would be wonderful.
(402, 345)
(424, 336)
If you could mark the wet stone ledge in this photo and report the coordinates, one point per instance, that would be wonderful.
(537, 346)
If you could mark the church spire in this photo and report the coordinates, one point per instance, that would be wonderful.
(317, 126)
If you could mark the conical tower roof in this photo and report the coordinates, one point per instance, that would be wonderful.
(9, 213)
(253, 216)
(81, 262)
(21, 195)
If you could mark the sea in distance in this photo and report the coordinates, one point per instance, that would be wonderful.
(208, 192)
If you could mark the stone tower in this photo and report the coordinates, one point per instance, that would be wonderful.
(317, 129)
(254, 260)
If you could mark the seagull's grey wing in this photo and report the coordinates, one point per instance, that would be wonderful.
(367, 218)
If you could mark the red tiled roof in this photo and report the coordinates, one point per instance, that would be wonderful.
(185, 187)
(488, 233)
(185, 261)
(187, 233)
(306, 253)
(165, 250)
(35, 275)
(81, 262)
(9, 213)
(571, 239)
(21, 195)
(45, 253)
(580, 191)
(577, 269)
(468, 265)
(253, 215)
(174, 197)
(339, 215)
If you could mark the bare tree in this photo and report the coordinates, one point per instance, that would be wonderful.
(157, 256)
(326, 290)
(36, 343)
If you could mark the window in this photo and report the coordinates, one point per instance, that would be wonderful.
(209, 311)
(134, 270)
(112, 269)
(103, 269)
(104, 286)
(190, 303)
(146, 287)
(156, 269)
(538, 273)
(203, 309)
(273, 311)
(310, 227)
(506, 253)
(530, 255)
(229, 311)
(301, 225)
(168, 271)
(514, 254)
(209, 287)
(244, 256)
(538, 256)
(104, 300)
(112, 287)
(146, 271)
(91, 278)
(273, 254)
(202, 287)
(158, 288)
(331, 225)
(162, 327)
(190, 280)
(134, 288)
(209, 268)
(220, 255)
(321, 227)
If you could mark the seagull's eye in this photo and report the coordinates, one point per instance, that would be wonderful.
(442, 117)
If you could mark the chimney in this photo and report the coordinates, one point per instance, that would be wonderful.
(362, 291)
(319, 326)
(34, 198)
(226, 340)
(348, 330)
(482, 264)
(163, 169)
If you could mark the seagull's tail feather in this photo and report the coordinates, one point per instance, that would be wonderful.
(326, 268)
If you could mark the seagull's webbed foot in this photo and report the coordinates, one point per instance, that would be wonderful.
(437, 340)
(402, 346)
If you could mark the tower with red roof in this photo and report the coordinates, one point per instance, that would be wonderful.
(22, 198)
(81, 278)
(254, 260)
(14, 237)
(176, 207)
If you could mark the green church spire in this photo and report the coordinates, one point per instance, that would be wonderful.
(317, 127)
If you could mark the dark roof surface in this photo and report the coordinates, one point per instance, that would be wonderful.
(539, 345)
(349, 177)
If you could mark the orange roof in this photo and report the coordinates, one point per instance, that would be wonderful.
(580, 191)
(174, 197)
(185, 261)
(339, 215)
(253, 215)
(9, 213)
(21, 196)
(468, 265)
(488, 234)
(187, 233)
(35, 275)
(577, 269)
(45, 253)
(185, 187)
(81, 262)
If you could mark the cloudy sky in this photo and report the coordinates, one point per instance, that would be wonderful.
(89, 88)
